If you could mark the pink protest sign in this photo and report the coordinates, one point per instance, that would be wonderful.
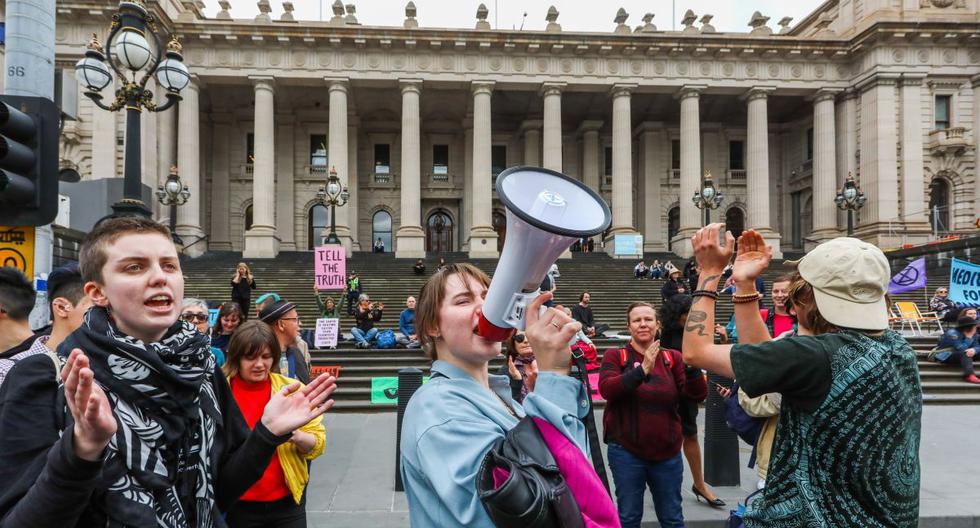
(330, 267)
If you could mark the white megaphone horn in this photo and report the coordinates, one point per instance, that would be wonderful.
(546, 213)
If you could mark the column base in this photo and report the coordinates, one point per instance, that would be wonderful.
(220, 246)
(344, 234)
(410, 242)
(822, 235)
(483, 242)
(194, 242)
(261, 242)
(774, 240)
(609, 243)
(680, 245)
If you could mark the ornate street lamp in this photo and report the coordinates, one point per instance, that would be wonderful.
(335, 195)
(707, 198)
(850, 198)
(129, 54)
(173, 193)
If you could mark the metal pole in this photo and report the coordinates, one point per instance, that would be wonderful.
(332, 237)
(409, 381)
(132, 200)
(850, 222)
(29, 66)
(721, 466)
(707, 215)
(173, 224)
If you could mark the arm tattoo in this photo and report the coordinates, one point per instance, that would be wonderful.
(695, 321)
(708, 279)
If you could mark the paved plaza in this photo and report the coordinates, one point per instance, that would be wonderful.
(353, 482)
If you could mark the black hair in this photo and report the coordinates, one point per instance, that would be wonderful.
(17, 294)
(672, 309)
(66, 282)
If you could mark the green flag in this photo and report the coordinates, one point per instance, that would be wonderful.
(385, 390)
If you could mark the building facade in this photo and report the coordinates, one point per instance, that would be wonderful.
(418, 121)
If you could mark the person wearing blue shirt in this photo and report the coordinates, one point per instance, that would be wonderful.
(406, 324)
(453, 420)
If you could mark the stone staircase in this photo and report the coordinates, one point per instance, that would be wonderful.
(391, 280)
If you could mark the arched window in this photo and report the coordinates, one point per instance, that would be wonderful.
(439, 232)
(673, 224)
(735, 221)
(317, 225)
(381, 228)
(939, 207)
(248, 218)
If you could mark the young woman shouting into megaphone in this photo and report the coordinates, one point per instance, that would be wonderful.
(452, 422)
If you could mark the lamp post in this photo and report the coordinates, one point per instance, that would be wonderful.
(335, 195)
(173, 193)
(707, 198)
(134, 61)
(850, 198)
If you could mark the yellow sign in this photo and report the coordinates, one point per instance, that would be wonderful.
(17, 248)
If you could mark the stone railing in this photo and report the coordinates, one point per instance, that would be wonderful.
(737, 175)
(947, 141)
(440, 176)
(247, 170)
(382, 177)
(318, 171)
(674, 174)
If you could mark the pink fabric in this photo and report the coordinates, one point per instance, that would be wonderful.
(598, 510)
(594, 385)
(499, 477)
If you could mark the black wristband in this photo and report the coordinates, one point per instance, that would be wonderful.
(705, 293)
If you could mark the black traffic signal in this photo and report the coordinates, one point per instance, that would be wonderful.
(28, 160)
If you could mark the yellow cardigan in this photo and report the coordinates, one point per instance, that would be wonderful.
(293, 463)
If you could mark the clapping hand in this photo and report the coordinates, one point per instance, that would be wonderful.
(292, 407)
(94, 422)
(650, 356)
(711, 256)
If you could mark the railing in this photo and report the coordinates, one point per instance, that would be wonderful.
(736, 175)
(247, 170)
(674, 174)
(382, 177)
(318, 171)
(943, 135)
(440, 176)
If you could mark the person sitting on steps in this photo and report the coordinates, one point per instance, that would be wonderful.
(366, 315)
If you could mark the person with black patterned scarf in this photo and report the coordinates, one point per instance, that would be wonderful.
(142, 428)
(846, 450)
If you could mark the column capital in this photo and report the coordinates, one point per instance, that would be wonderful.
(195, 83)
(531, 125)
(590, 125)
(410, 85)
(758, 92)
(552, 88)
(877, 79)
(263, 82)
(337, 83)
(690, 90)
(913, 78)
(975, 80)
(622, 90)
(824, 94)
(482, 87)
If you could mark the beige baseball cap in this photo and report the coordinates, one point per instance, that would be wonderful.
(849, 279)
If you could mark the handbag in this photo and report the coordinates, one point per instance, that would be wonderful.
(735, 516)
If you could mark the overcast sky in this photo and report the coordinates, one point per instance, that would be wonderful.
(575, 15)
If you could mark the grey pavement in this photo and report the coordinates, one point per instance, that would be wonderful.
(353, 483)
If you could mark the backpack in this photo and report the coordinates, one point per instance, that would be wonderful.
(746, 427)
(386, 339)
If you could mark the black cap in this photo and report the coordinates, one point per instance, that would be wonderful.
(275, 311)
(965, 322)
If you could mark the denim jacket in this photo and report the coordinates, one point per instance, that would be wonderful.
(955, 339)
(452, 422)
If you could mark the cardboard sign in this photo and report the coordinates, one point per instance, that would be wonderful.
(326, 333)
(330, 267)
(17, 248)
(964, 282)
(213, 317)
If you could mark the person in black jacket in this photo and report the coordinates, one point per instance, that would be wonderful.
(582, 313)
(672, 286)
(366, 314)
(180, 451)
(242, 284)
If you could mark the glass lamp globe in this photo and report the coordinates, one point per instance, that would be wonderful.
(344, 195)
(132, 49)
(333, 188)
(92, 73)
(849, 193)
(708, 192)
(173, 74)
(173, 187)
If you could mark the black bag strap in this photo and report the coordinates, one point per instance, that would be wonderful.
(598, 463)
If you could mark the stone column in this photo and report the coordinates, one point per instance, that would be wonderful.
(879, 160)
(189, 165)
(652, 173)
(262, 241)
(590, 153)
(285, 182)
(757, 167)
(220, 239)
(467, 213)
(552, 125)
(847, 143)
(914, 203)
(104, 138)
(353, 122)
(410, 239)
(166, 147)
(622, 150)
(148, 151)
(337, 152)
(483, 239)
(532, 142)
(690, 168)
(824, 167)
(975, 80)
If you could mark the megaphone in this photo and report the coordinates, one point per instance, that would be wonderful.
(546, 213)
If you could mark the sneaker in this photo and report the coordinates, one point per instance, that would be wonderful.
(972, 378)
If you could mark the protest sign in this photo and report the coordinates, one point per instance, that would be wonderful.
(384, 390)
(964, 282)
(912, 277)
(326, 333)
(213, 317)
(330, 268)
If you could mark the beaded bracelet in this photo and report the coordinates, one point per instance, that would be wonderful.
(746, 298)
(705, 293)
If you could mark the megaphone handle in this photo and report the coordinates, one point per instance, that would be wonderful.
(516, 314)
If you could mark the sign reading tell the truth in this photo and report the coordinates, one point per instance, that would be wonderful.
(330, 267)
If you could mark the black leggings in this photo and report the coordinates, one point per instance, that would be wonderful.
(244, 305)
(282, 513)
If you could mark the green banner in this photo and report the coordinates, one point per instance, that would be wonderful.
(385, 390)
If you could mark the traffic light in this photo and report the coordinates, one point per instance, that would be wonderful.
(28, 160)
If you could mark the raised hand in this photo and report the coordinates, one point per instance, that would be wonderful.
(753, 257)
(650, 356)
(512, 368)
(292, 407)
(94, 422)
(549, 334)
(532, 375)
(710, 255)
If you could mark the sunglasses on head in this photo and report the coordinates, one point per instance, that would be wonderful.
(519, 338)
(191, 317)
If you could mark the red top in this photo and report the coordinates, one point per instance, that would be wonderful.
(641, 409)
(780, 324)
(252, 398)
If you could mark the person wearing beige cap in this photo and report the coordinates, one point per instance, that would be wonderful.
(846, 451)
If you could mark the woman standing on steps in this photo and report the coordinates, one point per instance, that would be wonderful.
(242, 284)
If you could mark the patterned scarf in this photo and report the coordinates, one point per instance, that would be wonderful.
(159, 463)
(523, 363)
